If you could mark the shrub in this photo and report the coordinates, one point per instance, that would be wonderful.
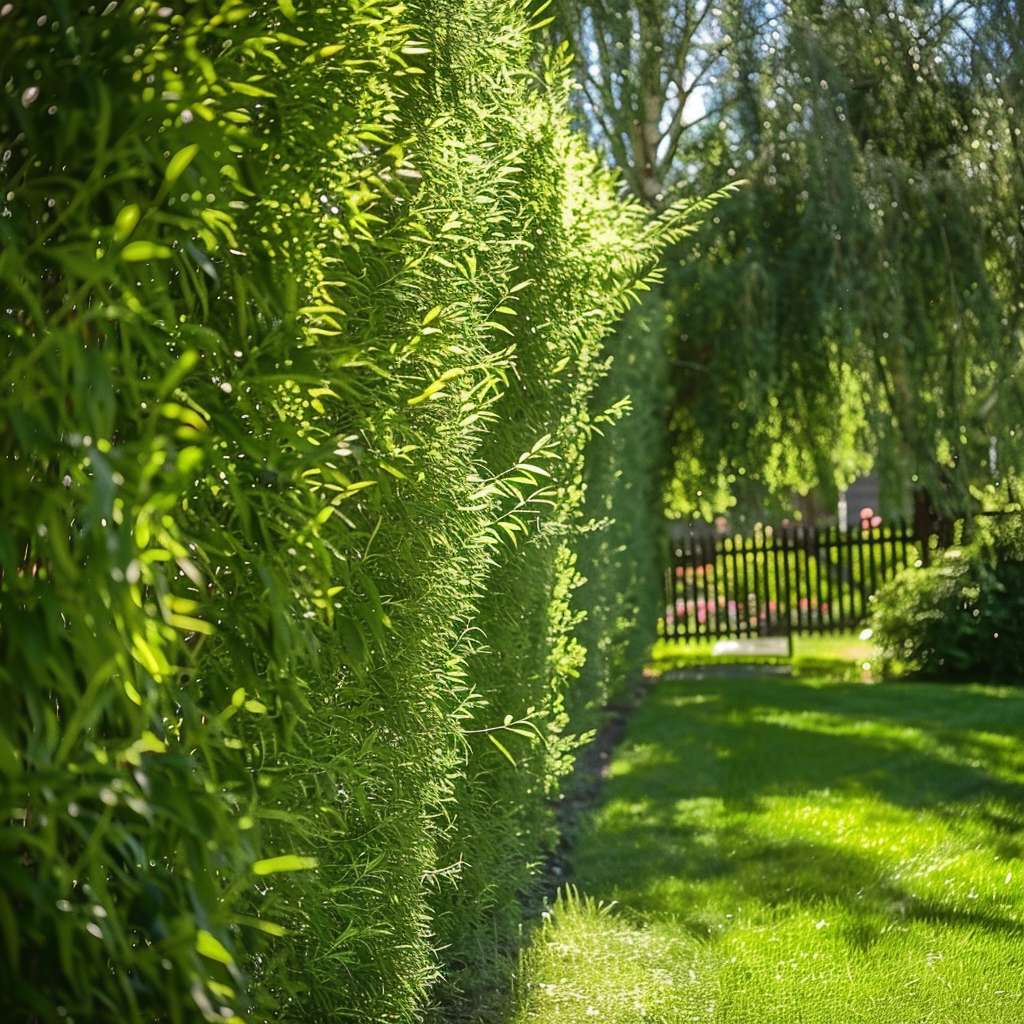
(960, 617)
(158, 537)
(585, 251)
(301, 314)
(623, 548)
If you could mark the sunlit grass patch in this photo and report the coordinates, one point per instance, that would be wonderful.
(589, 961)
(800, 852)
(840, 655)
(802, 968)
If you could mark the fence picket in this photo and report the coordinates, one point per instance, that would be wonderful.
(807, 535)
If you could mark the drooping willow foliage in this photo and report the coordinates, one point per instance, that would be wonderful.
(860, 302)
(302, 315)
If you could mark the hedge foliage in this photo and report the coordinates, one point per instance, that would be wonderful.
(622, 558)
(302, 313)
(959, 618)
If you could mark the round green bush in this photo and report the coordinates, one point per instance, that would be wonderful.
(958, 619)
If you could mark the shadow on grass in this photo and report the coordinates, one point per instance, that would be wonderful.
(683, 811)
(779, 737)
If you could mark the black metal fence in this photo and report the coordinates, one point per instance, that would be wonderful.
(780, 580)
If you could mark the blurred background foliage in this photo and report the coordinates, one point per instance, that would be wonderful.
(860, 303)
(305, 314)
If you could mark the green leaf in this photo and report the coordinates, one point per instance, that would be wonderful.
(437, 385)
(498, 327)
(359, 485)
(209, 946)
(124, 223)
(269, 927)
(503, 749)
(178, 163)
(138, 252)
(203, 261)
(250, 90)
(289, 862)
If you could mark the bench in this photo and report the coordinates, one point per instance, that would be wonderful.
(770, 646)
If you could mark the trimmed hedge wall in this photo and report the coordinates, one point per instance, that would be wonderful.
(623, 553)
(302, 310)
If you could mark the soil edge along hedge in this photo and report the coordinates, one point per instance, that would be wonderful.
(302, 309)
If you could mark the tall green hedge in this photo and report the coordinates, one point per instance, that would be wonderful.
(301, 313)
(623, 551)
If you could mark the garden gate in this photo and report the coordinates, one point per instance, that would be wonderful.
(780, 580)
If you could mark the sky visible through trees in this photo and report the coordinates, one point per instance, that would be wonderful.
(859, 302)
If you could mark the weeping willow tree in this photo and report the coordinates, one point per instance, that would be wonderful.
(859, 301)
(644, 68)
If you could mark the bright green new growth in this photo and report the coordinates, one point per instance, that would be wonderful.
(302, 312)
(797, 851)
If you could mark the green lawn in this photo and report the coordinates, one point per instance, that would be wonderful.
(842, 655)
(802, 852)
